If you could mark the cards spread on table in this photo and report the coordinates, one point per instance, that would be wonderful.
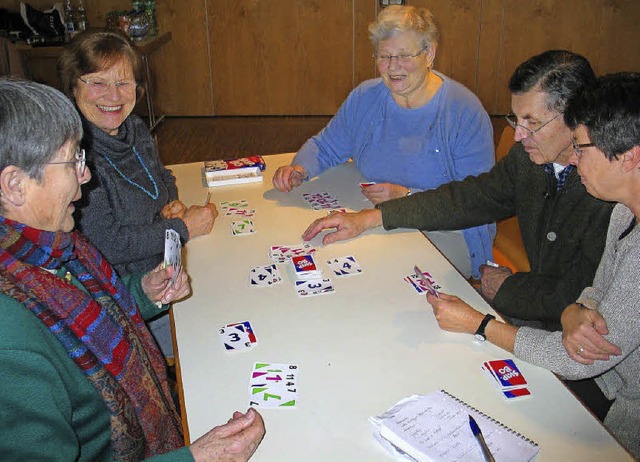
(314, 287)
(264, 276)
(305, 268)
(273, 385)
(419, 285)
(238, 336)
(242, 227)
(344, 266)
(507, 377)
(239, 204)
(240, 212)
(321, 200)
(172, 253)
(282, 253)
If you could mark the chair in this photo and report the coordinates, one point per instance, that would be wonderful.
(508, 249)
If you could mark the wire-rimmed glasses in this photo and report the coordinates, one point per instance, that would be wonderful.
(512, 119)
(404, 58)
(80, 161)
(101, 86)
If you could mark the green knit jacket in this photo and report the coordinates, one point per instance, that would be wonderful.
(563, 232)
(48, 408)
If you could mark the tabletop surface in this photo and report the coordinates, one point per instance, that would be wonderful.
(359, 350)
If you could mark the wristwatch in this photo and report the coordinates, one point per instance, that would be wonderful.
(480, 335)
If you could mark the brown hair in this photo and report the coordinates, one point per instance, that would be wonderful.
(93, 51)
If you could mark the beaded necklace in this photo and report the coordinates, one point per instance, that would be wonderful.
(154, 195)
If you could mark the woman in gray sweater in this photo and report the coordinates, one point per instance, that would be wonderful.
(131, 200)
(606, 124)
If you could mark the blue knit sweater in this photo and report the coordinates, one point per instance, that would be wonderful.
(447, 139)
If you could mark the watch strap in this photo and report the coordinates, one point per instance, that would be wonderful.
(480, 334)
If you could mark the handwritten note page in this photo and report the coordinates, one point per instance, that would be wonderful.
(435, 427)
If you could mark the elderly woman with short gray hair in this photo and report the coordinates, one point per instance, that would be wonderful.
(81, 376)
(410, 130)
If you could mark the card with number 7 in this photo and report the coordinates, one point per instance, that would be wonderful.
(273, 385)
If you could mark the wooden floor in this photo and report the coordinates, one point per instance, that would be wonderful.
(195, 139)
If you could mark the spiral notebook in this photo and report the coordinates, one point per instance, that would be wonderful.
(435, 428)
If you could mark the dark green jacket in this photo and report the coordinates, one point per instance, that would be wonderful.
(48, 408)
(563, 232)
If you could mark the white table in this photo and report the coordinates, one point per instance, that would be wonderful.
(360, 350)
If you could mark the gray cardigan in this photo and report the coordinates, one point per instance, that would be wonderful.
(118, 217)
(615, 294)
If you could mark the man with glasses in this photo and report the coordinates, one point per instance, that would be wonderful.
(563, 227)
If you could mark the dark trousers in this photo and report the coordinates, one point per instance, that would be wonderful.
(591, 396)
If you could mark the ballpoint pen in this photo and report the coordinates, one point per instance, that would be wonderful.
(206, 202)
(477, 433)
(424, 279)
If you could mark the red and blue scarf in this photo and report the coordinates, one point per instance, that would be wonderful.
(101, 329)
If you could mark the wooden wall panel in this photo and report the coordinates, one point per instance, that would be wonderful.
(364, 66)
(297, 57)
(604, 31)
(280, 56)
(182, 68)
(459, 25)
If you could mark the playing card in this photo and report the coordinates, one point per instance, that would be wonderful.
(172, 252)
(506, 373)
(419, 285)
(273, 385)
(264, 276)
(344, 266)
(242, 227)
(320, 201)
(369, 183)
(241, 204)
(305, 268)
(507, 378)
(240, 212)
(314, 287)
(282, 253)
(238, 336)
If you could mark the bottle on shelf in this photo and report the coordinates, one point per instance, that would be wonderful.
(82, 23)
(69, 20)
(137, 6)
(150, 11)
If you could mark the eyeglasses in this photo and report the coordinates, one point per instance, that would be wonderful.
(80, 161)
(405, 58)
(101, 86)
(578, 147)
(513, 121)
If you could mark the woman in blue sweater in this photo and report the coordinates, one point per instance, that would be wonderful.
(410, 130)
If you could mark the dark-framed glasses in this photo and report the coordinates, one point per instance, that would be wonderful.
(513, 121)
(101, 86)
(404, 58)
(578, 147)
(80, 161)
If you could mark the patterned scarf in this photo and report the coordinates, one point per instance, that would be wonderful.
(102, 331)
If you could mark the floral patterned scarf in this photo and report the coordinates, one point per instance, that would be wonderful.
(101, 329)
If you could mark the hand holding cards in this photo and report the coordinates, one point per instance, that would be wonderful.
(172, 253)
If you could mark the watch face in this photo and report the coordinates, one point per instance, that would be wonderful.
(480, 337)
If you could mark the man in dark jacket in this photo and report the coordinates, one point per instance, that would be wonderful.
(563, 227)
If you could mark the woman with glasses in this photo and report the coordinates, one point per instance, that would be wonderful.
(410, 130)
(132, 199)
(81, 376)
